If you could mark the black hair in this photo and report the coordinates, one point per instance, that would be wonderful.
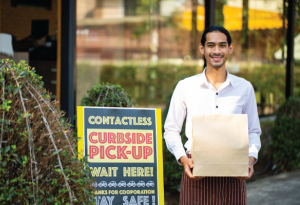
(215, 29)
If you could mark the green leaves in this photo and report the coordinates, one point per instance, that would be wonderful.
(285, 136)
(7, 148)
(107, 95)
(27, 115)
(16, 90)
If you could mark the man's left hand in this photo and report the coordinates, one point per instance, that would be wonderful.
(251, 169)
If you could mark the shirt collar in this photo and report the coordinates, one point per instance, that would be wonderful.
(203, 79)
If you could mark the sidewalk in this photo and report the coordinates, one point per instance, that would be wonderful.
(283, 189)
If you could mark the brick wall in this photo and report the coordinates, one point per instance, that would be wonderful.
(17, 20)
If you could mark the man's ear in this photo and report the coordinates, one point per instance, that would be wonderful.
(231, 47)
(201, 48)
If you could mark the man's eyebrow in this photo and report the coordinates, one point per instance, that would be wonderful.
(210, 42)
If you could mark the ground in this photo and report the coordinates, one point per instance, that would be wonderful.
(283, 189)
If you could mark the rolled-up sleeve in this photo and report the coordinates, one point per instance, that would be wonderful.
(173, 123)
(253, 124)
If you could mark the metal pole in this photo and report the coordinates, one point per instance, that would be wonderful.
(209, 13)
(68, 42)
(209, 16)
(290, 49)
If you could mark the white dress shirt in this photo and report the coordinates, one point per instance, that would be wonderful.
(196, 96)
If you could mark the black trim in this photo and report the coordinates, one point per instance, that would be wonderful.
(290, 49)
(209, 13)
(68, 46)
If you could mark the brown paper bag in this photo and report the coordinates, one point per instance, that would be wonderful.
(220, 145)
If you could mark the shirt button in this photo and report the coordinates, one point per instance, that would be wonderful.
(217, 93)
(217, 106)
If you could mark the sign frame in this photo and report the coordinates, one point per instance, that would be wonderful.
(159, 148)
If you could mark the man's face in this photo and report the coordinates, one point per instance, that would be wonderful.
(216, 49)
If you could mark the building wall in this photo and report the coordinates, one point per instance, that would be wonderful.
(17, 20)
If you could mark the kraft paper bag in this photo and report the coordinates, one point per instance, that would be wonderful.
(220, 145)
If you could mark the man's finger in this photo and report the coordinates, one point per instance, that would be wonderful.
(251, 171)
(198, 178)
(242, 178)
(189, 173)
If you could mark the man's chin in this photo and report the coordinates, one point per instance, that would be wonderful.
(217, 65)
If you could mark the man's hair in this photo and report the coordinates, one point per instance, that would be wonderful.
(215, 29)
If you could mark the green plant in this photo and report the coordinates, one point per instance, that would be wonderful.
(285, 136)
(268, 81)
(38, 161)
(147, 85)
(107, 95)
(265, 138)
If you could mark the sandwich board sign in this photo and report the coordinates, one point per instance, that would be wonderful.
(124, 149)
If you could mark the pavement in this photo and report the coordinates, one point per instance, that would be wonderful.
(283, 189)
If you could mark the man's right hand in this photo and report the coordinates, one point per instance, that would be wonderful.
(188, 165)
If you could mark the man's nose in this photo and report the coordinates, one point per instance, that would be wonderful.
(217, 50)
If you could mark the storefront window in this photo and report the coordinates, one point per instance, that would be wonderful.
(258, 29)
(145, 46)
(148, 46)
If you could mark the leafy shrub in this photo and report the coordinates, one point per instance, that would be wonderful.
(147, 85)
(107, 95)
(265, 138)
(285, 136)
(269, 80)
(38, 163)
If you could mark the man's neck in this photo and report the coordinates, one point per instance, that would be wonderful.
(216, 76)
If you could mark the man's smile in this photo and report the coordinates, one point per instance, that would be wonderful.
(216, 58)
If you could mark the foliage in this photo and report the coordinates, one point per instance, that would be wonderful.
(107, 95)
(219, 16)
(38, 164)
(147, 85)
(265, 138)
(140, 7)
(285, 136)
(269, 80)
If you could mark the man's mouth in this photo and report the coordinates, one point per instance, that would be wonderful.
(216, 58)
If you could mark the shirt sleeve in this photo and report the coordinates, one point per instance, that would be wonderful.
(173, 123)
(253, 124)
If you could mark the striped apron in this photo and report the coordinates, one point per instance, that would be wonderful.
(212, 191)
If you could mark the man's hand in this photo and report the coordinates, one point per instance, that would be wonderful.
(188, 165)
(251, 169)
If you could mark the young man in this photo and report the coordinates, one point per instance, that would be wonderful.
(214, 91)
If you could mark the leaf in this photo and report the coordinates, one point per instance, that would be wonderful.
(16, 90)
(19, 160)
(49, 200)
(7, 148)
(27, 115)
(56, 152)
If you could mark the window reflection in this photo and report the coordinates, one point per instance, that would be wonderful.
(145, 46)
(148, 46)
(258, 31)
